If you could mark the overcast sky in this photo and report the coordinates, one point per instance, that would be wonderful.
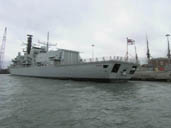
(77, 24)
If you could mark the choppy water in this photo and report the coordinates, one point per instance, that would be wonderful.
(45, 103)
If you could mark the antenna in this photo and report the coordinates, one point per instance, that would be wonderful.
(2, 49)
(47, 41)
(136, 55)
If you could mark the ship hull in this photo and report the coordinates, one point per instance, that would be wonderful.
(87, 71)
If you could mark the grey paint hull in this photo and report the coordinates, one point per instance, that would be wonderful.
(86, 71)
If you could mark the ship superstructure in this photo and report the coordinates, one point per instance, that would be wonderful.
(67, 64)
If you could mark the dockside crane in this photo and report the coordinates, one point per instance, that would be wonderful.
(148, 50)
(2, 49)
(168, 54)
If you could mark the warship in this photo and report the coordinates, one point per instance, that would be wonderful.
(67, 64)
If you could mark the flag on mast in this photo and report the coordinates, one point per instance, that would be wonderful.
(130, 41)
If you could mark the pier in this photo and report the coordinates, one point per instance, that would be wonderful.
(4, 71)
(152, 76)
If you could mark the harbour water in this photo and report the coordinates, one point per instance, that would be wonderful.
(47, 103)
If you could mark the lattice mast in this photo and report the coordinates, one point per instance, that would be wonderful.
(2, 49)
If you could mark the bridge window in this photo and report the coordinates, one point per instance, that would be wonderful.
(105, 66)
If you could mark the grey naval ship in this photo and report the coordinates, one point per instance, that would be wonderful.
(67, 64)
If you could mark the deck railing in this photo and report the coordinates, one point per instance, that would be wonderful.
(110, 58)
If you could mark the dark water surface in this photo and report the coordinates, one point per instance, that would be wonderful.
(45, 103)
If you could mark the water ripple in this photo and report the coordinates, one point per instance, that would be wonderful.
(44, 103)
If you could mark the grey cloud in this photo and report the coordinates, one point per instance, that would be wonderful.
(76, 24)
